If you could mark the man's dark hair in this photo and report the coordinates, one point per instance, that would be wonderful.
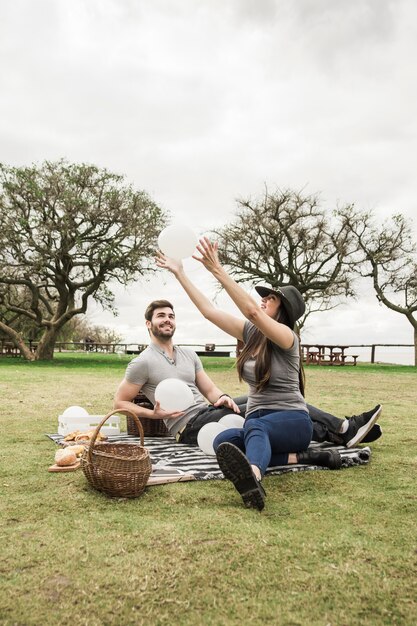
(156, 304)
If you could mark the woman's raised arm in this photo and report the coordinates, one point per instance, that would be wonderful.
(277, 332)
(230, 324)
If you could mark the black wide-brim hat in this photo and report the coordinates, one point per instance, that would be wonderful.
(291, 300)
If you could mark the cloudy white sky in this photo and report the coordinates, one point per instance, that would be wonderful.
(202, 101)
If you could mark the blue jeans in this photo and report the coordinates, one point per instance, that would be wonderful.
(268, 436)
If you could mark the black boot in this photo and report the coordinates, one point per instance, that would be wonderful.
(324, 458)
(236, 468)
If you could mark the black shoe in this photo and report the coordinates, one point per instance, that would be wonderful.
(373, 435)
(360, 425)
(324, 458)
(236, 467)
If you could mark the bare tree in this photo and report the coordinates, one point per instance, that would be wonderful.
(387, 255)
(287, 238)
(66, 231)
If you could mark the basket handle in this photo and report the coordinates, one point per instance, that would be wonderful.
(104, 420)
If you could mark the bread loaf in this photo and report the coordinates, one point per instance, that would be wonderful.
(65, 457)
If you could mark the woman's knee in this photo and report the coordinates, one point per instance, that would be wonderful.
(231, 435)
(251, 425)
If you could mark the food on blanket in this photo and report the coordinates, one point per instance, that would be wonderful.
(86, 436)
(77, 435)
(71, 436)
(65, 457)
(77, 449)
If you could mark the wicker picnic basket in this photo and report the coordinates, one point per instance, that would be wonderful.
(117, 469)
(151, 427)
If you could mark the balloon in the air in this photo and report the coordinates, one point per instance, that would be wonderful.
(177, 242)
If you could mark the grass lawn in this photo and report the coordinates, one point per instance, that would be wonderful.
(330, 548)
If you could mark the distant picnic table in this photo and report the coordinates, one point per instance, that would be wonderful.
(327, 354)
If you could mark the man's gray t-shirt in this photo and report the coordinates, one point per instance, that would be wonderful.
(283, 390)
(152, 366)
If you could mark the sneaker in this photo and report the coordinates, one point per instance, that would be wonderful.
(373, 435)
(236, 467)
(360, 425)
(324, 458)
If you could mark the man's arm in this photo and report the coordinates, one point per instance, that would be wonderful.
(123, 399)
(230, 324)
(213, 394)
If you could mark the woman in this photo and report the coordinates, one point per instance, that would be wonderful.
(278, 428)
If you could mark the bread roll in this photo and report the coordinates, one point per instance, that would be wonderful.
(78, 450)
(65, 457)
(71, 436)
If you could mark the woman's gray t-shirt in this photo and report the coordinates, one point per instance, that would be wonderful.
(283, 389)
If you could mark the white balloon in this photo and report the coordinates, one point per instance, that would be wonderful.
(232, 421)
(75, 411)
(174, 395)
(207, 434)
(177, 241)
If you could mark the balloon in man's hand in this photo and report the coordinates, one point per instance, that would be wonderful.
(177, 242)
(173, 395)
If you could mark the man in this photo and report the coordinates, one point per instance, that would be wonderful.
(162, 359)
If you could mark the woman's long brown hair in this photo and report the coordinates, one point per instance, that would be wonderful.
(261, 346)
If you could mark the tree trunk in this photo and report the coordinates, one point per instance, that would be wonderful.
(415, 346)
(17, 341)
(26, 352)
(45, 349)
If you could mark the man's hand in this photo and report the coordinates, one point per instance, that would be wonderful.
(172, 265)
(159, 413)
(227, 401)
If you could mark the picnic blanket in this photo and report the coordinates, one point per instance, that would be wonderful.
(167, 454)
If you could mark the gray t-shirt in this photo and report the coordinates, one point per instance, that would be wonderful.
(283, 390)
(152, 366)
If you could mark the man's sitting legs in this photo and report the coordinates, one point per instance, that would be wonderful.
(345, 432)
(212, 414)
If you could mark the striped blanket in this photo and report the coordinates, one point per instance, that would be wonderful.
(166, 455)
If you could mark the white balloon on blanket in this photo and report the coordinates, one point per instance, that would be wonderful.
(173, 395)
(207, 434)
(177, 241)
(75, 411)
(232, 421)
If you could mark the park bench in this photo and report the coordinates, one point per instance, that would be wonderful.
(321, 354)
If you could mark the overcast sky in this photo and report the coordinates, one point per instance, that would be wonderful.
(200, 102)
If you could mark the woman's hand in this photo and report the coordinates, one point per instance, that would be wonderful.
(172, 265)
(209, 254)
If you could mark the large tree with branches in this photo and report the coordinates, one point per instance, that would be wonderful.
(287, 238)
(66, 231)
(388, 255)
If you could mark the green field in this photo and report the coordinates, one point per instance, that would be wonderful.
(330, 548)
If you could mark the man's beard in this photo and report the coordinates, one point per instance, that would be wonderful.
(165, 333)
